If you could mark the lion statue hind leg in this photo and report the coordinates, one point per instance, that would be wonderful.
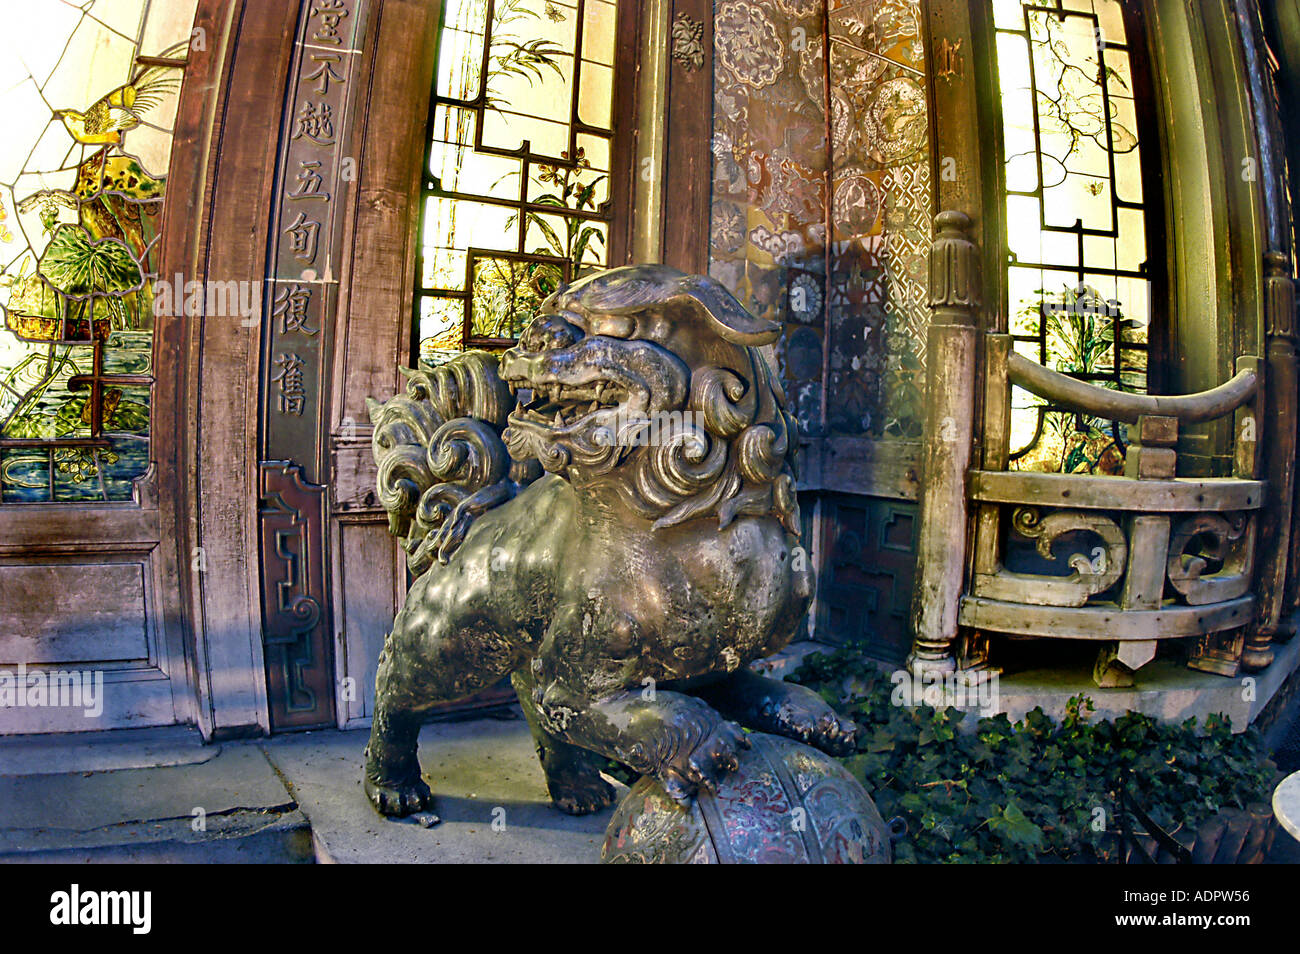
(573, 776)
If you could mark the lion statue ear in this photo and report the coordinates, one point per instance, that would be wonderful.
(728, 317)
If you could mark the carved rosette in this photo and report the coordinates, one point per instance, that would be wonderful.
(688, 44)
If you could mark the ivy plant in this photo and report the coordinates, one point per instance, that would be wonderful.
(1033, 790)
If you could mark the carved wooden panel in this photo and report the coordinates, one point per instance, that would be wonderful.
(688, 134)
(315, 173)
(295, 622)
(864, 585)
(369, 578)
(313, 185)
(72, 612)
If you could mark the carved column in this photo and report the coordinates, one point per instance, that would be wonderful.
(1278, 441)
(949, 431)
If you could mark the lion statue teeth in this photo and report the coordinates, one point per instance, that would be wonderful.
(609, 517)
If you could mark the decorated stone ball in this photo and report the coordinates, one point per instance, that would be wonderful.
(786, 804)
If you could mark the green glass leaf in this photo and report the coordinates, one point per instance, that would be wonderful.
(78, 267)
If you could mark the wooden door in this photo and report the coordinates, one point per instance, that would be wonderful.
(90, 634)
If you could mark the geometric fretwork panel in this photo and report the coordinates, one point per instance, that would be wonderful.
(865, 581)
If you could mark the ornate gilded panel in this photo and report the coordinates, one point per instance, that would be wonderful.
(777, 158)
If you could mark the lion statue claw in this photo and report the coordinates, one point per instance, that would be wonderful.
(608, 516)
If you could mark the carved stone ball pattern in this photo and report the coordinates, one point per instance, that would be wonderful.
(787, 803)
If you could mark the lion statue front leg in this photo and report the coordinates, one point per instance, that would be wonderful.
(435, 653)
(678, 739)
(391, 777)
(782, 708)
(587, 706)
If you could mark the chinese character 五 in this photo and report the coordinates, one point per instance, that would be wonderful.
(309, 181)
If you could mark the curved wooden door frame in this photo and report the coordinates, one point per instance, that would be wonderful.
(218, 206)
(372, 337)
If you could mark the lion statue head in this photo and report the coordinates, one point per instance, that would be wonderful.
(651, 379)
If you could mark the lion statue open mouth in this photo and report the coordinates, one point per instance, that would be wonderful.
(609, 517)
(652, 358)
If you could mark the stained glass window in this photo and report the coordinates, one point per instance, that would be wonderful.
(1079, 216)
(517, 183)
(88, 95)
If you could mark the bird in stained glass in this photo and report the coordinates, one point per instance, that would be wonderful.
(103, 121)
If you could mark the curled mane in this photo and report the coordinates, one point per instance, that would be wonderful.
(733, 454)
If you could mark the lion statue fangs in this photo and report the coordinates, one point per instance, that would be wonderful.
(587, 569)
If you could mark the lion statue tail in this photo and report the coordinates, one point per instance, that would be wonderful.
(440, 455)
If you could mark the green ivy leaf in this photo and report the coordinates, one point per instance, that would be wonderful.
(1012, 823)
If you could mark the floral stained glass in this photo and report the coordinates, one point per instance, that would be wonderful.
(517, 196)
(1078, 273)
(88, 93)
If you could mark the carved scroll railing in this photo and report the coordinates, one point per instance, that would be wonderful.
(1125, 561)
(1128, 560)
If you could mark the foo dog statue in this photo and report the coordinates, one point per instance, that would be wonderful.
(608, 516)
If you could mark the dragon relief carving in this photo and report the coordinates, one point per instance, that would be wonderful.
(610, 507)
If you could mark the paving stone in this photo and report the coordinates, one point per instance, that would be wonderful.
(475, 768)
(148, 814)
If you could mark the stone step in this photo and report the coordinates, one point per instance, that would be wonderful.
(230, 807)
(290, 799)
(103, 751)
